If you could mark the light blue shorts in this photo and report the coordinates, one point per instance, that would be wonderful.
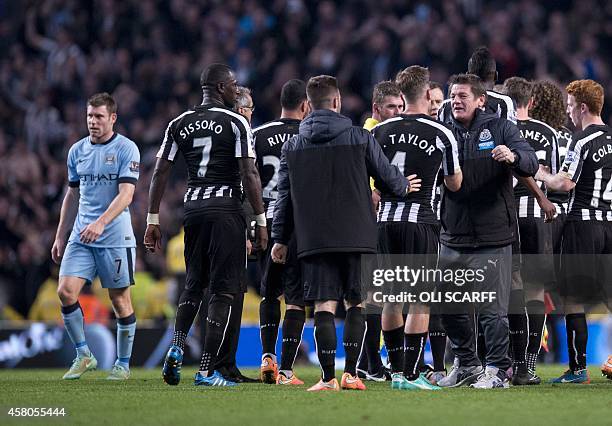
(114, 265)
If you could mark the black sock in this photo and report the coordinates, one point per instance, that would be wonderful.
(325, 340)
(227, 354)
(219, 310)
(394, 341)
(577, 335)
(371, 351)
(413, 352)
(188, 306)
(354, 329)
(536, 318)
(481, 345)
(293, 324)
(437, 341)
(517, 322)
(518, 341)
(269, 319)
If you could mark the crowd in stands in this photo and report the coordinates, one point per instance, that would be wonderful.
(149, 54)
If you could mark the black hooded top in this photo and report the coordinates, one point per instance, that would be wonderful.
(323, 187)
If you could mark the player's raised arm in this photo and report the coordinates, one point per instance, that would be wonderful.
(152, 238)
(453, 175)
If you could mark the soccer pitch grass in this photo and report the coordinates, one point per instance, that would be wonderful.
(145, 399)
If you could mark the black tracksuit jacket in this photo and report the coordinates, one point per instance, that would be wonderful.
(482, 213)
(323, 186)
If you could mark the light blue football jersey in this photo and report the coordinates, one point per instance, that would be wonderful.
(98, 169)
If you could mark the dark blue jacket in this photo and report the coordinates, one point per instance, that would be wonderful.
(323, 186)
(482, 213)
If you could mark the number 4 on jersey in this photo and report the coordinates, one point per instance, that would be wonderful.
(399, 160)
(607, 194)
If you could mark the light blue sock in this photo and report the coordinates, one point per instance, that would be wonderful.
(73, 321)
(126, 328)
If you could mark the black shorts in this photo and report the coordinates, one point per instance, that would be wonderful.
(332, 276)
(407, 244)
(277, 279)
(537, 261)
(586, 261)
(215, 252)
(408, 238)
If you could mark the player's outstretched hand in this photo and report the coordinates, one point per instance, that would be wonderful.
(415, 183)
(279, 253)
(152, 238)
(57, 251)
(549, 209)
(503, 154)
(261, 238)
(92, 232)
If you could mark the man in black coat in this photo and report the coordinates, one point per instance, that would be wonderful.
(324, 194)
(478, 228)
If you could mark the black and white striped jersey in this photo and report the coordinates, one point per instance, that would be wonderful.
(499, 104)
(588, 163)
(269, 139)
(211, 139)
(560, 199)
(543, 140)
(419, 145)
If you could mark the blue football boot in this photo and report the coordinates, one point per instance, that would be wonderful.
(172, 366)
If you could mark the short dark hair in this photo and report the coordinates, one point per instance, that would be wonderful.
(293, 94)
(435, 85)
(482, 64)
(103, 99)
(519, 89)
(214, 74)
(321, 89)
(471, 80)
(413, 81)
(384, 88)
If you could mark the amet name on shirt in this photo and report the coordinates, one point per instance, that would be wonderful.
(535, 136)
(413, 140)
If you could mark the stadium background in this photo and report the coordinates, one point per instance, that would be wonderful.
(149, 54)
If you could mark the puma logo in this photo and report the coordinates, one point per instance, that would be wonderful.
(493, 262)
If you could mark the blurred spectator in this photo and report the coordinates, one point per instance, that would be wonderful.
(149, 54)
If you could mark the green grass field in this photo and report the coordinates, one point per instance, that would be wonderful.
(145, 399)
